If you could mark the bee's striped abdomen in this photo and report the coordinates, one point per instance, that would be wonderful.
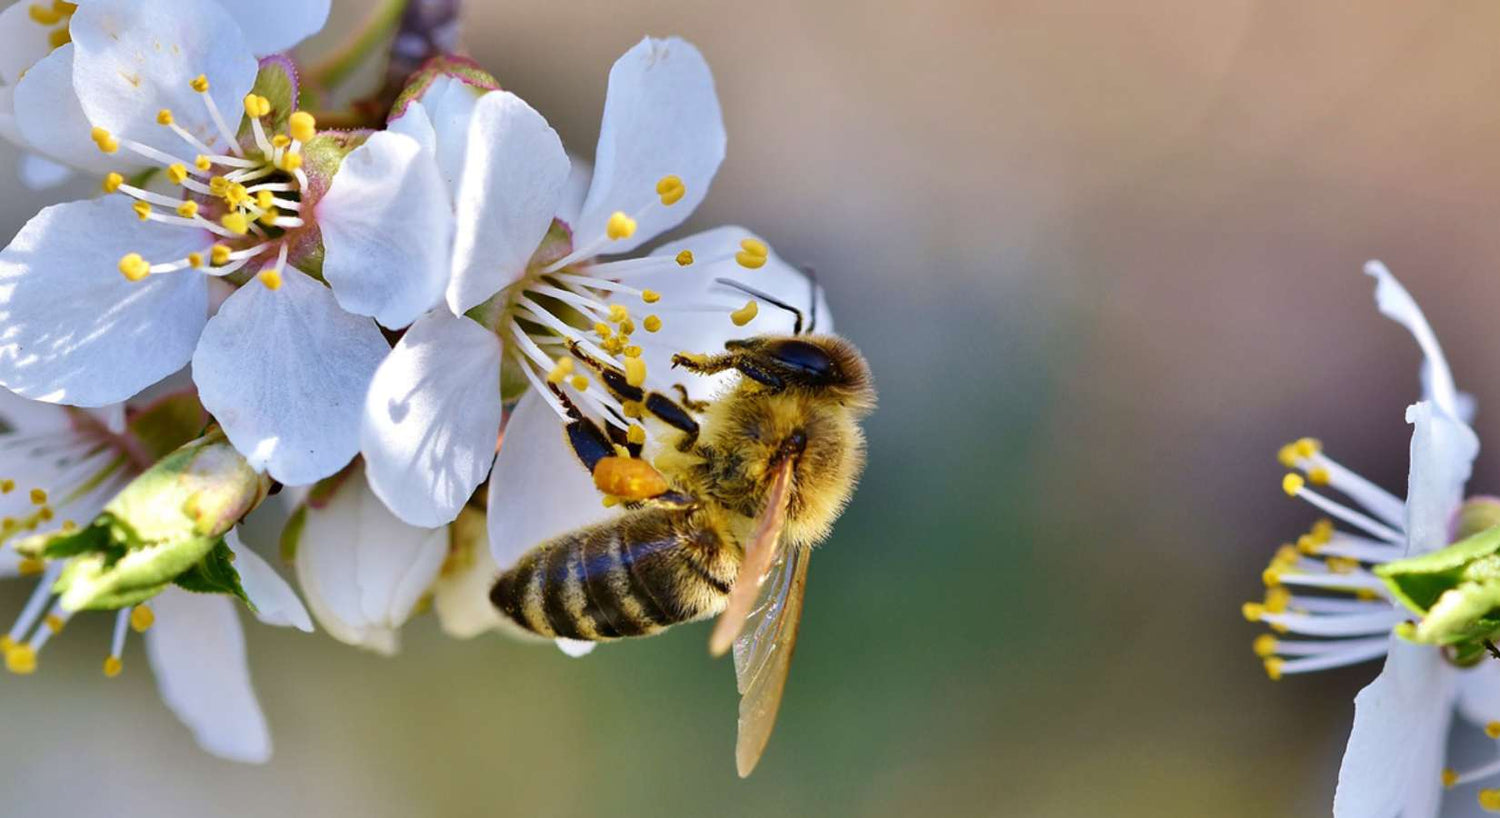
(632, 576)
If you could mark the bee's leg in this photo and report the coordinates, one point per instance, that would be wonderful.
(699, 406)
(659, 405)
(588, 442)
(714, 364)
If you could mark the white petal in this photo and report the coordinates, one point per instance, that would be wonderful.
(40, 173)
(10, 563)
(386, 225)
(1442, 458)
(72, 329)
(706, 332)
(275, 602)
(461, 595)
(580, 174)
(530, 504)
(513, 181)
(22, 41)
(276, 25)
(432, 417)
(1397, 304)
(661, 116)
(362, 570)
(1394, 760)
(51, 120)
(17, 414)
(285, 372)
(415, 123)
(197, 651)
(9, 131)
(1479, 693)
(575, 647)
(449, 105)
(134, 59)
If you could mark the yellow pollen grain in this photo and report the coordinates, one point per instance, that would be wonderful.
(1292, 483)
(141, 618)
(650, 296)
(112, 182)
(38, 497)
(1264, 646)
(635, 371)
(745, 314)
(113, 666)
(580, 383)
(142, 210)
(270, 278)
(235, 223)
(302, 126)
(684, 258)
(200, 83)
(30, 567)
(202, 162)
(1273, 668)
(1253, 611)
(1450, 777)
(670, 189)
(177, 173)
(619, 226)
(291, 162)
(54, 622)
(618, 313)
(188, 210)
(195, 260)
(218, 255)
(256, 106)
(560, 371)
(164, 116)
(21, 660)
(1319, 476)
(636, 434)
(1489, 800)
(652, 323)
(610, 501)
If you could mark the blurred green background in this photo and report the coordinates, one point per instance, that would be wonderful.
(1104, 259)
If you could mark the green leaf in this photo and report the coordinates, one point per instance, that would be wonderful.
(214, 574)
(276, 82)
(1418, 582)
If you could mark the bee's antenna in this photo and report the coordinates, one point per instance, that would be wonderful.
(813, 288)
(766, 297)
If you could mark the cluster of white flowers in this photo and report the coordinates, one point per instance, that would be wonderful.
(239, 282)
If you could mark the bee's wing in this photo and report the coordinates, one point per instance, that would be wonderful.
(761, 552)
(763, 655)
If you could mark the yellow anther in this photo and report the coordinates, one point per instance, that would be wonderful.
(112, 182)
(164, 116)
(270, 278)
(202, 162)
(1272, 575)
(54, 622)
(618, 313)
(235, 223)
(141, 618)
(633, 351)
(619, 226)
(6, 643)
(1292, 483)
(633, 409)
(142, 210)
(652, 323)
(45, 514)
(1273, 668)
(104, 139)
(1277, 599)
(302, 126)
(44, 15)
(613, 346)
(684, 258)
(265, 199)
(1264, 646)
(1285, 555)
(753, 254)
(1365, 594)
(635, 371)
(280, 140)
(290, 162)
(113, 666)
(670, 189)
(621, 451)
(59, 37)
(602, 330)
(1322, 530)
(610, 501)
(69, 526)
(636, 434)
(38, 497)
(188, 209)
(1489, 800)
(7, 486)
(1492, 729)
(235, 194)
(177, 173)
(21, 659)
(30, 567)
(200, 83)
(217, 185)
(626, 327)
(1253, 611)
(580, 383)
(1319, 476)
(1308, 544)
(256, 106)
(650, 296)
(218, 255)
(1287, 455)
(1342, 565)
(195, 260)
(745, 314)
(1307, 447)
(134, 268)
(1450, 778)
(561, 369)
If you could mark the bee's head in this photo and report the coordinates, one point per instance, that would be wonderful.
(815, 363)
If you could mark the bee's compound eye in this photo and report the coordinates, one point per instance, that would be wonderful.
(803, 358)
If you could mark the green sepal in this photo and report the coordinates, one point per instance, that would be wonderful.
(277, 82)
(462, 69)
(214, 574)
(1456, 590)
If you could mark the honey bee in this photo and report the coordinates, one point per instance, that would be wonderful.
(722, 523)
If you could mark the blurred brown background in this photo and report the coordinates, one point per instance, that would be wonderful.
(1104, 259)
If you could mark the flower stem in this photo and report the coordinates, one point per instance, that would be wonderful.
(343, 62)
